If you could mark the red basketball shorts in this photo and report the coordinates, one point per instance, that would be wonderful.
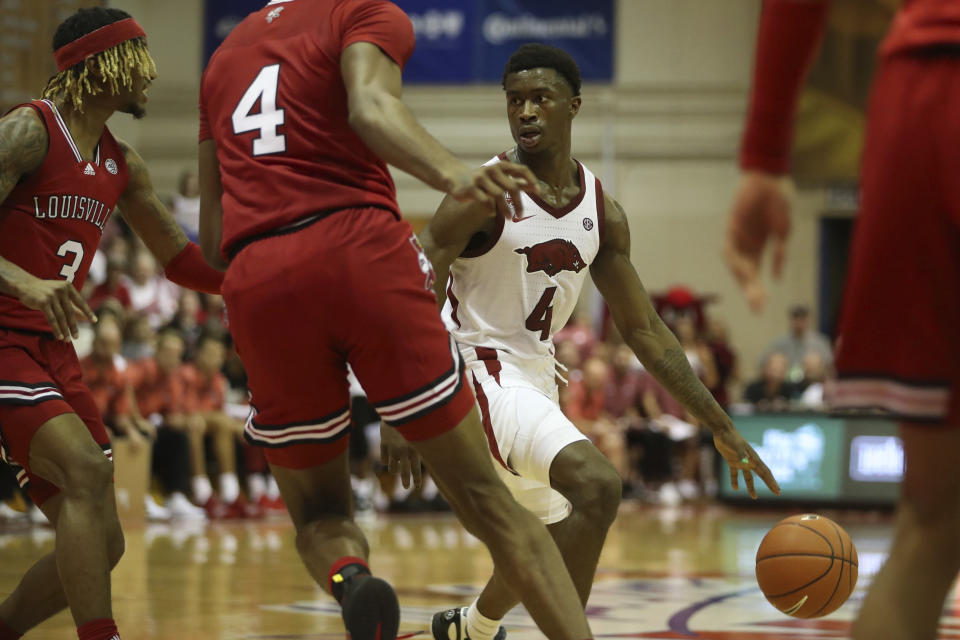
(349, 287)
(899, 341)
(39, 380)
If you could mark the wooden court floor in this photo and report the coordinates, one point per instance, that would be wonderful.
(682, 572)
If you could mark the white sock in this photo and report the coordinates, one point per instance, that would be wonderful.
(202, 489)
(256, 486)
(430, 490)
(480, 627)
(399, 493)
(273, 491)
(229, 487)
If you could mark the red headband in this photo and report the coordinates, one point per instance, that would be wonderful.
(97, 41)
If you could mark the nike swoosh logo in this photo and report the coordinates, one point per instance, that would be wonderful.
(516, 219)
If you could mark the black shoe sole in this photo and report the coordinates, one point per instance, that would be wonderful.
(371, 610)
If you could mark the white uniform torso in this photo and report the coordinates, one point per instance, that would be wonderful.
(522, 285)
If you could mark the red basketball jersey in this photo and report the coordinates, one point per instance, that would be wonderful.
(273, 99)
(51, 222)
(924, 23)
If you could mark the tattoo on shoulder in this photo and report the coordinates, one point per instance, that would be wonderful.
(23, 145)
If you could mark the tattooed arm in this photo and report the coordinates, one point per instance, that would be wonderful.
(182, 260)
(146, 214)
(23, 148)
(658, 349)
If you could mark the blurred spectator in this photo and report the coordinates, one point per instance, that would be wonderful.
(206, 402)
(672, 434)
(113, 288)
(186, 321)
(725, 359)
(116, 249)
(138, 338)
(161, 397)
(586, 402)
(186, 204)
(625, 386)
(151, 294)
(800, 340)
(698, 354)
(772, 391)
(212, 315)
(580, 332)
(814, 376)
(107, 375)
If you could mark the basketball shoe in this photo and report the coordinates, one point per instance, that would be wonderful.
(452, 625)
(370, 609)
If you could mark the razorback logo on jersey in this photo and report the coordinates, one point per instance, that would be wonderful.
(552, 257)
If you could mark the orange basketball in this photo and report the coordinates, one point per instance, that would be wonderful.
(807, 566)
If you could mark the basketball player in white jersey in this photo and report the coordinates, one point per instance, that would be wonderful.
(513, 281)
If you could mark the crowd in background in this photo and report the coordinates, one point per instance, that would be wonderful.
(161, 366)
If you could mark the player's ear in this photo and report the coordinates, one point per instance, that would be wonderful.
(93, 70)
(574, 106)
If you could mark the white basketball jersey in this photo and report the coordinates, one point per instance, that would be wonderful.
(513, 292)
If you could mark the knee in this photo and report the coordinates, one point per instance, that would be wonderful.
(89, 475)
(116, 545)
(484, 507)
(596, 493)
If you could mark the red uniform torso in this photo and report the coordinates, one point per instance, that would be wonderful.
(924, 23)
(51, 222)
(273, 99)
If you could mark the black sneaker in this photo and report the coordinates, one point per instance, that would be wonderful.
(452, 625)
(370, 609)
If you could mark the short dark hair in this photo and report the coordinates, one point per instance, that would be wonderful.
(535, 55)
(85, 21)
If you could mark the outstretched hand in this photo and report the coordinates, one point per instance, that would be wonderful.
(760, 214)
(740, 456)
(495, 184)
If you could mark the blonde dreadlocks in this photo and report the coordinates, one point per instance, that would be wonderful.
(116, 66)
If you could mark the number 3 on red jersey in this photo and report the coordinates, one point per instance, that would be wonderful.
(264, 89)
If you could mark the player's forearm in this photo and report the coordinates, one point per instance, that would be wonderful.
(789, 35)
(664, 358)
(13, 279)
(391, 131)
(441, 266)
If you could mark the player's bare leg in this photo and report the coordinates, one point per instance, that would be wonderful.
(907, 596)
(320, 502)
(590, 482)
(460, 463)
(89, 541)
(40, 595)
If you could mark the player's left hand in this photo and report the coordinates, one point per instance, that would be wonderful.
(760, 214)
(740, 456)
(398, 456)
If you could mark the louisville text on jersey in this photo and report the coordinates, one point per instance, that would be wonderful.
(70, 207)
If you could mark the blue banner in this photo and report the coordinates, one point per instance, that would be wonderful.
(220, 17)
(464, 41)
(445, 41)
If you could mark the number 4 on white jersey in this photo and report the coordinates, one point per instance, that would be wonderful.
(264, 89)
